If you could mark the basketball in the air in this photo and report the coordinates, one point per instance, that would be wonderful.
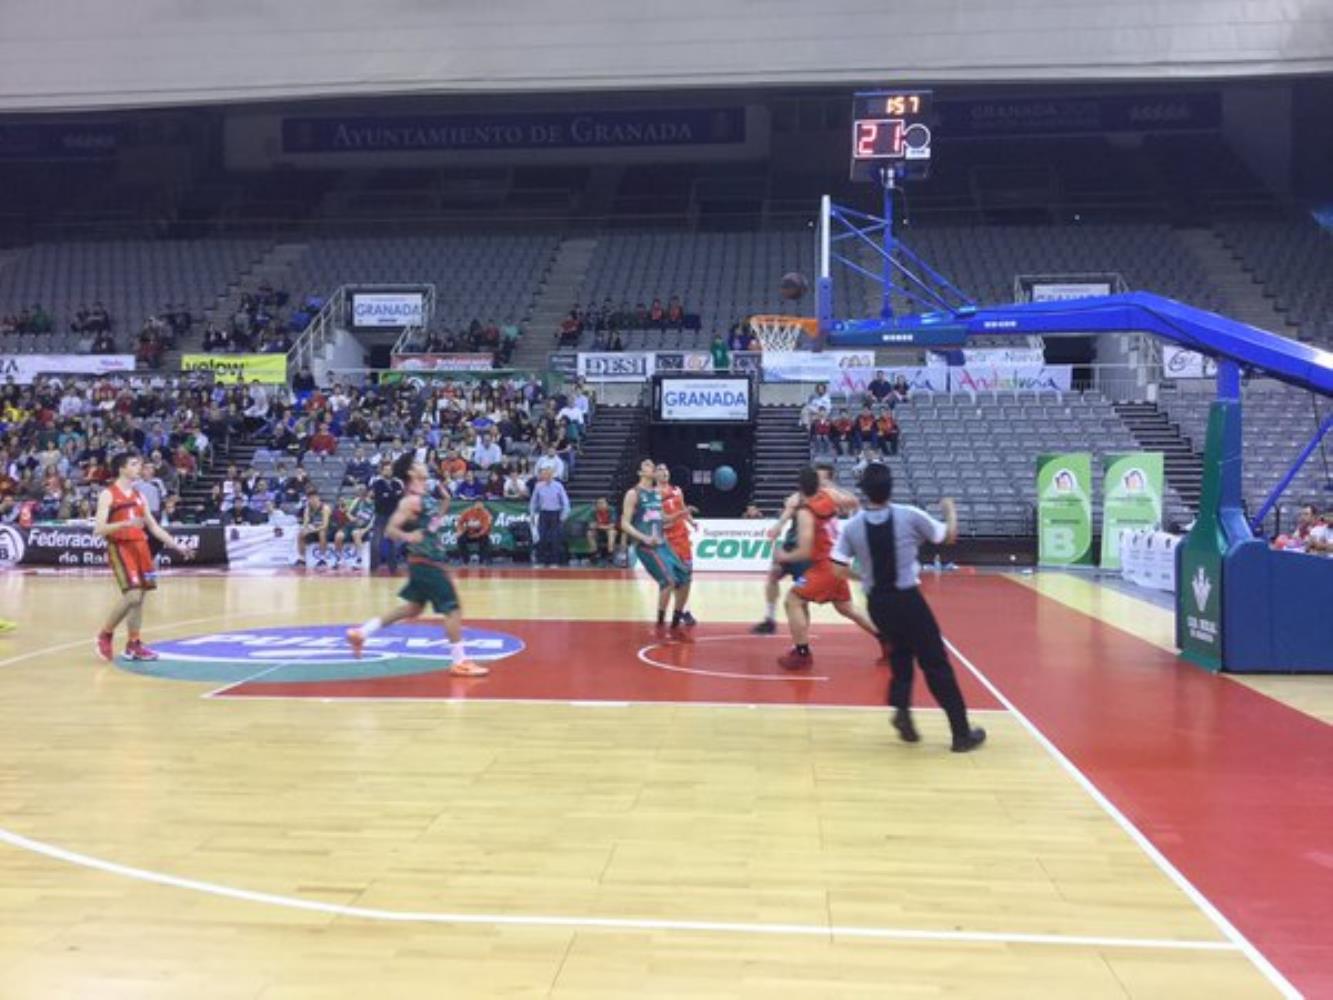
(793, 286)
(725, 478)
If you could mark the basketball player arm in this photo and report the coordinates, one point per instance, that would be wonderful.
(788, 512)
(844, 557)
(805, 540)
(407, 508)
(950, 520)
(164, 536)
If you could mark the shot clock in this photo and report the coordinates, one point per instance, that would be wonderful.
(890, 130)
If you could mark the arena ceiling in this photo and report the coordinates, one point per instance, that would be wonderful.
(90, 54)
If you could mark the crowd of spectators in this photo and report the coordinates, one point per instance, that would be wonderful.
(608, 322)
(58, 436)
(496, 339)
(261, 324)
(848, 430)
(34, 319)
(488, 439)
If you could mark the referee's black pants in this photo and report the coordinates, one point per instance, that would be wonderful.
(905, 620)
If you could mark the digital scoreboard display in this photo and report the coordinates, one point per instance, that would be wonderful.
(891, 131)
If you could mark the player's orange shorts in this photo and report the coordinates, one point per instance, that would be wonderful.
(132, 565)
(680, 544)
(820, 585)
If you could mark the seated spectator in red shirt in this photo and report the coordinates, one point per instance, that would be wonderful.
(657, 315)
(322, 442)
(842, 432)
(887, 428)
(864, 432)
(185, 464)
(675, 313)
(569, 331)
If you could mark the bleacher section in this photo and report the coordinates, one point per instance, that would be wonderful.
(1294, 260)
(983, 453)
(1278, 422)
(475, 277)
(134, 279)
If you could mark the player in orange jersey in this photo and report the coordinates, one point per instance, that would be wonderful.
(678, 517)
(816, 531)
(125, 521)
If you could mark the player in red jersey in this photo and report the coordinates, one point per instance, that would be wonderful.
(125, 521)
(678, 517)
(816, 531)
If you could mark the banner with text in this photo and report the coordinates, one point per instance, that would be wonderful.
(1131, 499)
(388, 310)
(442, 362)
(76, 545)
(1066, 291)
(229, 369)
(24, 368)
(1064, 509)
(616, 366)
(704, 399)
(1010, 378)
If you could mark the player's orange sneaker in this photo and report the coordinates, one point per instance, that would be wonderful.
(104, 648)
(357, 640)
(466, 668)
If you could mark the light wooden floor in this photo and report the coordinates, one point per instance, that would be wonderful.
(538, 821)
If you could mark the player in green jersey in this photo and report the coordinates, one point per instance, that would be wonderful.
(419, 523)
(641, 522)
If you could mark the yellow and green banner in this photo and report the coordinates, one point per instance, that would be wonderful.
(229, 369)
(1131, 499)
(1064, 509)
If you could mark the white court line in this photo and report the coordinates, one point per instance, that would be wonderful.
(1238, 939)
(605, 923)
(728, 675)
(586, 703)
(244, 680)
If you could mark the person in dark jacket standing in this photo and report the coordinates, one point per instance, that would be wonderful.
(883, 541)
(385, 491)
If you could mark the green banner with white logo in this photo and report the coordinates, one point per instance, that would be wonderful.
(1064, 509)
(1199, 588)
(1131, 499)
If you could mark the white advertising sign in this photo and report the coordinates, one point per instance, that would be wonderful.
(391, 310)
(1004, 356)
(809, 366)
(1148, 559)
(615, 366)
(24, 368)
(705, 399)
(1177, 362)
(1070, 290)
(856, 381)
(732, 545)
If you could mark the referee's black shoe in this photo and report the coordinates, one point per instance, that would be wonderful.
(902, 721)
(973, 740)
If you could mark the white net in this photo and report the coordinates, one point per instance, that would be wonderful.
(783, 333)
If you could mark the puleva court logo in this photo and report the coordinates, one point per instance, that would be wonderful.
(327, 645)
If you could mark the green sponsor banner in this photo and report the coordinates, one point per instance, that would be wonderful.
(505, 514)
(1131, 499)
(1064, 509)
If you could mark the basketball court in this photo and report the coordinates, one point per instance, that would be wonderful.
(613, 812)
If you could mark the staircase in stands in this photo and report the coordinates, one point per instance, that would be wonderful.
(1247, 299)
(605, 466)
(1156, 432)
(195, 495)
(559, 288)
(782, 448)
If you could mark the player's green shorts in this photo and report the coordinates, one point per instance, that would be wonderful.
(430, 584)
(663, 565)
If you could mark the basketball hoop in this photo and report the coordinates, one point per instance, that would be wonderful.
(783, 333)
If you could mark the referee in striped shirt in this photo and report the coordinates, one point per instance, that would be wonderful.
(883, 541)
